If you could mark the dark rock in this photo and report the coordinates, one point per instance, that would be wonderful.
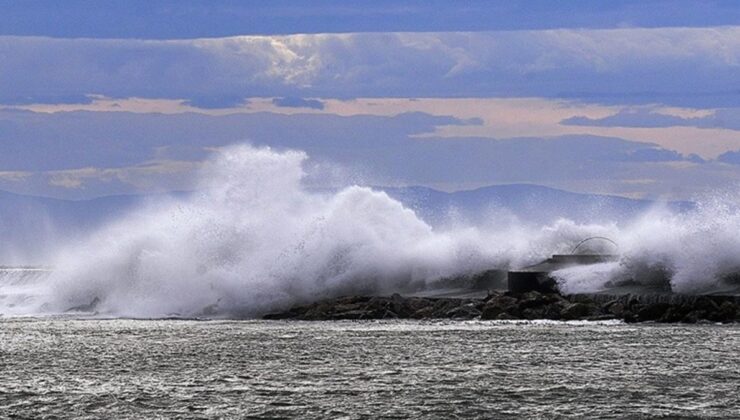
(492, 294)
(389, 315)
(357, 314)
(398, 303)
(629, 317)
(423, 313)
(555, 310)
(674, 314)
(576, 311)
(467, 311)
(616, 308)
(534, 313)
(705, 303)
(529, 305)
(652, 312)
(631, 302)
(415, 304)
(548, 311)
(498, 305)
(442, 306)
(694, 316)
(534, 299)
(319, 311)
(726, 312)
(349, 307)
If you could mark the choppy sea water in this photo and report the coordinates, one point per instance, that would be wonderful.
(62, 368)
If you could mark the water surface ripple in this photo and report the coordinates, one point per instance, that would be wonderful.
(62, 368)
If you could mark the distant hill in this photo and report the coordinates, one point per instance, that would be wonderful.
(31, 225)
(528, 203)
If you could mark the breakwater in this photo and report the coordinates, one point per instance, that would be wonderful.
(499, 305)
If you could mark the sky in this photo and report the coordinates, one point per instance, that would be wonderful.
(632, 98)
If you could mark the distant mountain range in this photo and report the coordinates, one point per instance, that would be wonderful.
(29, 224)
(525, 202)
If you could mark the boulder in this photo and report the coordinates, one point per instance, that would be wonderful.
(528, 305)
(675, 313)
(442, 306)
(652, 312)
(318, 311)
(576, 310)
(548, 311)
(423, 313)
(694, 316)
(616, 308)
(498, 305)
(726, 312)
(467, 311)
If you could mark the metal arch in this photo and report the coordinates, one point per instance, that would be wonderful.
(594, 237)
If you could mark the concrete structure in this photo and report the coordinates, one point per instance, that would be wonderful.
(537, 277)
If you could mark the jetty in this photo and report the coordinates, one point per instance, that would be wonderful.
(531, 293)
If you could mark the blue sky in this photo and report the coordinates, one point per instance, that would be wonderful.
(634, 98)
(184, 19)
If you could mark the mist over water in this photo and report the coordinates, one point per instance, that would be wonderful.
(254, 239)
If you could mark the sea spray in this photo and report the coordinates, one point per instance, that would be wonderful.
(253, 239)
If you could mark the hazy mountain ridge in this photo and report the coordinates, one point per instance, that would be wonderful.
(527, 202)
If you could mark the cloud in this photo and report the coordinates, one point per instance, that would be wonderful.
(651, 154)
(85, 154)
(74, 178)
(67, 140)
(728, 118)
(639, 117)
(15, 176)
(679, 66)
(217, 102)
(733, 158)
(144, 177)
(76, 99)
(293, 102)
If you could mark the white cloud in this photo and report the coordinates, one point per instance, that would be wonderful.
(144, 177)
(15, 176)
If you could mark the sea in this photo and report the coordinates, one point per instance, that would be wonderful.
(255, 239)
(67, 368)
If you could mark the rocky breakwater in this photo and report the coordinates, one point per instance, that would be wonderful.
(528, 306)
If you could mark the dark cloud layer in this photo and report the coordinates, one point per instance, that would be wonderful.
(293, 102)
(645, 118)
(732, 158)
(89, 153)
(217, 102)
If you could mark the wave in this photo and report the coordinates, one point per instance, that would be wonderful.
(255, 239)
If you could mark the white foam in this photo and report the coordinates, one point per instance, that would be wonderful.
(254, 239)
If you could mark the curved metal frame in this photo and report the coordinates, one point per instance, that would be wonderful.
(593, 237)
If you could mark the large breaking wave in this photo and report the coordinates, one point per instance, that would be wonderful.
(254, 239)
